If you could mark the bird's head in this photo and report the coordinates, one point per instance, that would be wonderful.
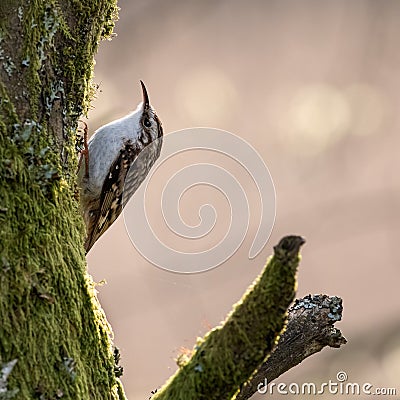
(150, 127)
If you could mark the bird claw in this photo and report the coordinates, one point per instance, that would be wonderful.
(85, 151)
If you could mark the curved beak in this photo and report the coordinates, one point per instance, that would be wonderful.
(146, 101)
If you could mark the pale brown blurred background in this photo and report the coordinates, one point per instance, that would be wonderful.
(314, 86)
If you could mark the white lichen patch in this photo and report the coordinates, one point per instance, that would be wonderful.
(5, 371)
(50, 25)
(20, 13)
(26, 62)
(8, 65)
(57, 89)
(6, 61)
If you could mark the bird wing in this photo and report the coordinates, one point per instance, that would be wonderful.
(104, 211)
(126, 174)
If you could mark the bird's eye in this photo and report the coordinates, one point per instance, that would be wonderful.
(147, 123)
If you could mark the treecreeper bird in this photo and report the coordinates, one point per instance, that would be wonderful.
(118, 158)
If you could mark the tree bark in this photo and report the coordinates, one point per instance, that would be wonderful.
(54, 337)
(310, 328)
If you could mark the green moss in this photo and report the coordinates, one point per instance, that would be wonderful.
(56, 328)
(44, 23)
(228, 355)
(51, 320)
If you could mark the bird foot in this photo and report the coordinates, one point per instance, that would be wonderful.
(85, 151)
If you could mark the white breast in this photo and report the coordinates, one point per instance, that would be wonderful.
(105, 145)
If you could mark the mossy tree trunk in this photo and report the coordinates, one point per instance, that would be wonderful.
(54, 338)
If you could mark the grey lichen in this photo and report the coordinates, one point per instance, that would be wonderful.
(39, 158)
(56, 91)
(50, 25)
(334, 304)
(336, 308)
(6, 61)
(26, 62)
(8, 65)
(20, 13)
(5, 371)
(69, 365)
